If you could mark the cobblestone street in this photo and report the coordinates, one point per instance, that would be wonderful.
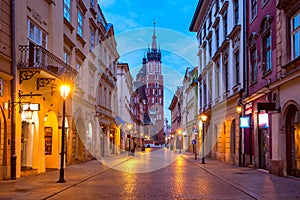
(176, 176)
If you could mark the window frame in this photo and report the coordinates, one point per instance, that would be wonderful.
(253, 64)
(236, 11)
(237, 67)
(79, 23)
(92, 39)
(67, 10)
(253, 7)
(267, 51)
(292, 33)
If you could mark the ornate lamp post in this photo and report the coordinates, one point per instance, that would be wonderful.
(179, 133)
(64, 92)
(203, 118)
(129, 127)
(239, 111)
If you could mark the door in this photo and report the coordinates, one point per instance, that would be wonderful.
(263, 145)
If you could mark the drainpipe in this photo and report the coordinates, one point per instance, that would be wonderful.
(13, 95)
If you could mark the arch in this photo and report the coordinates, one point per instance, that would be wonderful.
(291, 124)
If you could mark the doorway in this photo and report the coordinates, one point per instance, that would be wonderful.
(263, 148)
(293, 141)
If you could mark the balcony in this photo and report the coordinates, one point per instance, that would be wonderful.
(35, 59)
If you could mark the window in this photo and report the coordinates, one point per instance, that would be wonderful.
(204, 30)
(209, 47)
(156, 100)
(217, 6)
(225, 76)
(295, 36)
(91, 84)
(217, 37)
(156, 84)
(267, 53)
(67, 10)
(67, 57)
(92, 40)
(236, 11)
(79, 23)
(237, 67)
(205, 94)
(156, 76)
(225, 25)
(200, 92)
(210, 18)
(253, 60)
(217, 71)
(92, 3)
(37, 35)
(200, 38)
(79, 75)
(253, 7)
(156, 67)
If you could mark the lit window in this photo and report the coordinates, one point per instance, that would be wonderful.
(67, 10)
(295, 35)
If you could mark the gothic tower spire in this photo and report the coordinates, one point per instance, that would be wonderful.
(154, 38)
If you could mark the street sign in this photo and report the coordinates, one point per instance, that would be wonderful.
(193, 141)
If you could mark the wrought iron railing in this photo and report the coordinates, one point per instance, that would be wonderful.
(35, 56)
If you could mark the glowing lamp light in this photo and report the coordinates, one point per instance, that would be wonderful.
(64, 91)
(239, 109)
(203, 117)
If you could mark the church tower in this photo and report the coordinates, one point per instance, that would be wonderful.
(155, 90)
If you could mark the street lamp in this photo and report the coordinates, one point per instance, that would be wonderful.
(239, 111)
(64, 92)
(203, 118)
(179, 133)
(129, 127)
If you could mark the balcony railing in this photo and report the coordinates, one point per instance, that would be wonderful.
(36, 57)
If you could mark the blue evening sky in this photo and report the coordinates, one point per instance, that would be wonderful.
(133, 26)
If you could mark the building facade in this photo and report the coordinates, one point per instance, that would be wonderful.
(261, 49)
(285, 159)
(125, 92)
(219, 27)
(78, 51)
(7, 148)
(189, 107)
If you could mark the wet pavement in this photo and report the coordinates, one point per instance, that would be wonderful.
(161, 174)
